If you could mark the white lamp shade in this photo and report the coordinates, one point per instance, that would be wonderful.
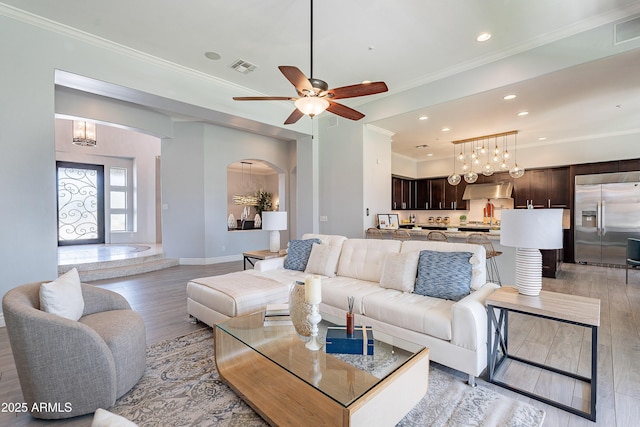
(274, 220)
(531, 228)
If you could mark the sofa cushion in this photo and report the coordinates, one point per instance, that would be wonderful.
(337, 290)
(431, 316)
(444, 275)
(326, 239)
(63, 296)
(363, 258)
(399, 271)
(478, 264)
(323, 260)
(298, 254)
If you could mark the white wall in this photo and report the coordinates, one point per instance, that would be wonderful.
(194, 172)
(119, 144)
(341, 176)
(376, 155)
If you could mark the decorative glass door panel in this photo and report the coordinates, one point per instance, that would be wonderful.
(80, 203)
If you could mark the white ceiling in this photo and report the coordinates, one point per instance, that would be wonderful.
(557, 56)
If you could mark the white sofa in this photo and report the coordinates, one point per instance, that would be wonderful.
(454, 331)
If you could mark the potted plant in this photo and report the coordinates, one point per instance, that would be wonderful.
(264, 201)
(463, 219)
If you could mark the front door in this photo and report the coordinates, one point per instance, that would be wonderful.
(80, 203)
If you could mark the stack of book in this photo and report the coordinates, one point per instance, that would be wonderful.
(277, 315)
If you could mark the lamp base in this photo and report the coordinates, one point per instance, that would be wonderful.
(528, 271)
(274, 241)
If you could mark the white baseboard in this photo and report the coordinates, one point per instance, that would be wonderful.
(208, 261)
(2, 324)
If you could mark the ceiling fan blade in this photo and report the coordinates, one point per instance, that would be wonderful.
(344, 111)
(294, 117)
(361, 89)
(296, 77)
(263, 98)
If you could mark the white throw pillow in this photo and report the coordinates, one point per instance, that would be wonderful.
(63, 296)
(104, 418)
(399, 271)
(323, 260)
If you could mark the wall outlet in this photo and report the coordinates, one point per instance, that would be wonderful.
(323, 218)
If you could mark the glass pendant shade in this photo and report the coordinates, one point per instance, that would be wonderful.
(516, 171)
(465, 167)
(454, 179)
(487, 170)
(470, 177)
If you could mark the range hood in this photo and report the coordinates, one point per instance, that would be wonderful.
(494, 190)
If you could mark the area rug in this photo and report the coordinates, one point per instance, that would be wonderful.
(181, 387)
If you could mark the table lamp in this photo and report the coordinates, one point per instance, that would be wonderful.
(529, 230)
(274, 221)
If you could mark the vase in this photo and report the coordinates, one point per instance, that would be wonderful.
(299, 309)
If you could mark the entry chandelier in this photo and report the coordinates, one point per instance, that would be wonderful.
(84, 134)
(247, 199)
(488, 154)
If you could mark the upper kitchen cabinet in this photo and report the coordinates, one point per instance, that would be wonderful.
(445, 196)
(543, 188)
(423, 194)
(402, 193)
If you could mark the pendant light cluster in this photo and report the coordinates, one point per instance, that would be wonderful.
(248, 198)
(484, 154)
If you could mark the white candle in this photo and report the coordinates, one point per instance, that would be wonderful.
(312, 290)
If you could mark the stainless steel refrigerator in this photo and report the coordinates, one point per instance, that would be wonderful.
(606, 213)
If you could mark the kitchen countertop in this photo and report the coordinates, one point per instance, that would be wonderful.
(450, 232)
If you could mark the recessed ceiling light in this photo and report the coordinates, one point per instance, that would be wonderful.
(430, 155)
(523, 113)
(445, 129)
(542, 138)
(423, 118)
(366, 82)
(214, 56)
(508, 97)
(483, 37)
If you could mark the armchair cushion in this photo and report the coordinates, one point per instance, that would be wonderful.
(63, 296)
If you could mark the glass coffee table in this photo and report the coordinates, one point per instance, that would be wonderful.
(287, 384)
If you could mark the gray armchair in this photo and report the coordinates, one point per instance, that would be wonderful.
(80, 365)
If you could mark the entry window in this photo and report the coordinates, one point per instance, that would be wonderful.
(120, 209)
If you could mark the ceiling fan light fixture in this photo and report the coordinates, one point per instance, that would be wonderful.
(311, 105)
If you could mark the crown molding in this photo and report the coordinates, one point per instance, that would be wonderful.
(82, 36)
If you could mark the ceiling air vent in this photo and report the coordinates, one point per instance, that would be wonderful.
(243, 66)
(628, 30)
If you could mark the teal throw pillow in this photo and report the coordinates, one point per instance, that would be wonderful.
(445, 275)
(298, 254)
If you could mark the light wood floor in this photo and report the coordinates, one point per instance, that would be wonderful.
(161, 299)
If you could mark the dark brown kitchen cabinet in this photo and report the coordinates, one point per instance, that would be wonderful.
(423, 194)
(437, 193)
(559, 188)
(542, 188)
(403, 193)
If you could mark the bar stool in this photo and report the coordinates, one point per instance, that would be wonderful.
(493, 275)
(437, 235)
(401, 234)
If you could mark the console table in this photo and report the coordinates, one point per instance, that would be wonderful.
(573, 309)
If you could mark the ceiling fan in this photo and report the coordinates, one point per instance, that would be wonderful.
(314, 95)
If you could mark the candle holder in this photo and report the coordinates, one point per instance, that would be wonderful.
(314, 318)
